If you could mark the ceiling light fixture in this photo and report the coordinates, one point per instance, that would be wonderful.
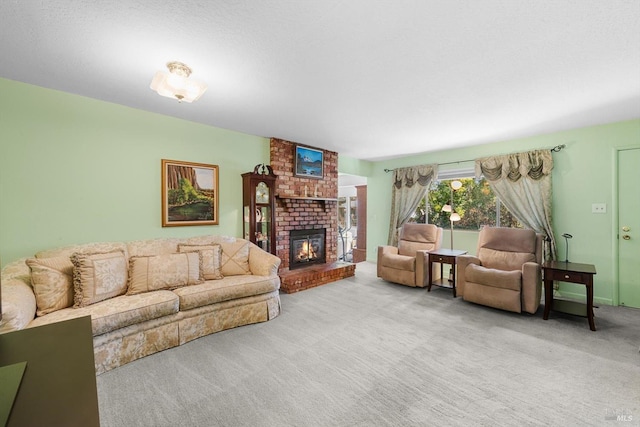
(176, 83)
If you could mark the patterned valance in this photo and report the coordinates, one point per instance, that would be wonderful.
(532, 164)
(407, 177)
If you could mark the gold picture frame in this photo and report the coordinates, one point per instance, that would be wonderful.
(189, 193)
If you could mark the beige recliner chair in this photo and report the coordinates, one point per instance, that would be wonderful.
(506, 273)
(407, 263)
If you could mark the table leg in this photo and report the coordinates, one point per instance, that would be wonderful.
(548, 298)
(589, 284)
(453, 277)
(430, 272)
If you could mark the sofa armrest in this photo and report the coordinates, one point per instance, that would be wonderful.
(461, 279)
(422, 272)
(18, 305)
(387, 250)
(262, 263)
(531, 286)
(382, 252)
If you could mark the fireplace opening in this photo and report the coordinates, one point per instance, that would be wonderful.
(307, 247)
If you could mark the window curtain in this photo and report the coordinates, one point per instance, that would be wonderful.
(522, 182)
(409, 187)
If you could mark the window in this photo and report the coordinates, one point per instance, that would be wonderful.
(347, 212)
(474, 202)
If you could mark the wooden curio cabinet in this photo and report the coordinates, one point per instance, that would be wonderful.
(258, 200)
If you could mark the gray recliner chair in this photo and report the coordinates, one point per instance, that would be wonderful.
(407, 263)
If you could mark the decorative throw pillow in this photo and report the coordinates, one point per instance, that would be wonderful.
(52, 280)
(235, 258)
(152, 273)
(211, 256)
(98, 276)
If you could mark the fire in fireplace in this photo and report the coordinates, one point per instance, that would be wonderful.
(307, 247)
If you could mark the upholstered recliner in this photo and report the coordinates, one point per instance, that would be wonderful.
(506, 273)
(407, 263)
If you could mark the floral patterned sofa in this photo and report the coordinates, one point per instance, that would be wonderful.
(143, 296)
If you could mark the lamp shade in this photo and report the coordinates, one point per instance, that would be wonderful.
(455, 217)
(176, 83)
(446, 208)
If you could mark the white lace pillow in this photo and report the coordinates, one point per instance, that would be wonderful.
(152, 273)
(98, 276)
(211, 257)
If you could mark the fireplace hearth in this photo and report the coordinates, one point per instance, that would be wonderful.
(307, 247)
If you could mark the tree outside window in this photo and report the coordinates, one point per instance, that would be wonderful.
(475, 202)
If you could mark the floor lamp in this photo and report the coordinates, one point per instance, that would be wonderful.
(454, 217)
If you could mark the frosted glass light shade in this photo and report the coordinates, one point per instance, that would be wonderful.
(446, 208)
(176, 83)
(454, 217)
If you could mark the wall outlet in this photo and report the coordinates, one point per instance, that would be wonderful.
(599, 208)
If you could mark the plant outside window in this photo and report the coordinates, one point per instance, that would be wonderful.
(475, 202)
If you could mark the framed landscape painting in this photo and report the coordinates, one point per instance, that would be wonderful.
(309, 163)
(189, 193)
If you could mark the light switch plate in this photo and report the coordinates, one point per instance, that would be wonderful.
(599, 208)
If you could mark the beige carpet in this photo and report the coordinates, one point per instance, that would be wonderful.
(364, 352)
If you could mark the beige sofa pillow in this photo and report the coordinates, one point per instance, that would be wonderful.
(52, 280)
(98, 276)
(152, 273)
(211, 257)
(235, 258)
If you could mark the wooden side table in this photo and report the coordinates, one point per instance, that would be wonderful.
(443, 256)
(573, 273)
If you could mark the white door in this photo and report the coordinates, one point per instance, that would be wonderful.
(629, 227)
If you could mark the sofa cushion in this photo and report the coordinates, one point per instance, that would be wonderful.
(118, 312)
(151, 247)
(231, 287)
(18, 304)
(85, 248)
(406, 247)
(98, 276)
(508, 239)
(400, 262)
(152, 273)
(491, 277)
(501, 260)
(416, 237)
(52, 281)
(235, 257)
(211, 257)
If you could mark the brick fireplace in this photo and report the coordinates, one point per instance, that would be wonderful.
(311, 204)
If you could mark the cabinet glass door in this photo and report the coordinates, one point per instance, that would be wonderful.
(246, 222)
(263, 227)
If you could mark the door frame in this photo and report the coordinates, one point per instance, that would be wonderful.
(616, 222)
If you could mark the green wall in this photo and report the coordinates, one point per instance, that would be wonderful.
(74, 170)
(583, 174)
(353, 166)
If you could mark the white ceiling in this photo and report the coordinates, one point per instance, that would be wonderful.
(370, 79)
